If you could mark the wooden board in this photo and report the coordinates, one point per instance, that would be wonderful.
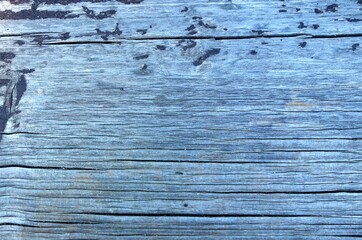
(204, 120)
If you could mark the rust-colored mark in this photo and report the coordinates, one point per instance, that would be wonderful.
(295, 104)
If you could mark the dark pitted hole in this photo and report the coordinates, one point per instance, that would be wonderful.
(318, 11)
(253, 52)
(355, 46)
(302, 44)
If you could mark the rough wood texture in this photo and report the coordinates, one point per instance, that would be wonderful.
(205, 120)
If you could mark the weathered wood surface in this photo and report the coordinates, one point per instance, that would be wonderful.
(203, 120)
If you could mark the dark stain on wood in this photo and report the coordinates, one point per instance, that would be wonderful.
(206, 55)
(26, 70)
(142, 31)
(19, 42)
(354, 19)
(105, 34)
(318, 11)
(315, 26)
(332, 8)
(16, 86)
(32, 15)
(4, 82)
(186, 44)
(191, 27)
(206, 25)
(21, 86)
(193, 32)
(64, 36)
(355, 46)
(40, 39)
(303, 44)
(6, 56)
(143, 67)
(185, 9)
(161, 47)
(253, 52)
(139, 57)
(4, 116)
(101, 15)
(259, 32)
(302, 25)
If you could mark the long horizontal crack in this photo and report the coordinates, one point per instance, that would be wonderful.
(195, 215)
(158, 162)
(14, 133)
(18, 225)
(46, 167)
(347, 236)
(292, 192)
(217, 38)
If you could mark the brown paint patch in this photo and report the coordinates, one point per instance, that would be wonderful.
(296, 104)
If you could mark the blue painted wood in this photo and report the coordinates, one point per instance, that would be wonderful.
(208, 120)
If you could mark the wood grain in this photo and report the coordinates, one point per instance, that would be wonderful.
(202, 120)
